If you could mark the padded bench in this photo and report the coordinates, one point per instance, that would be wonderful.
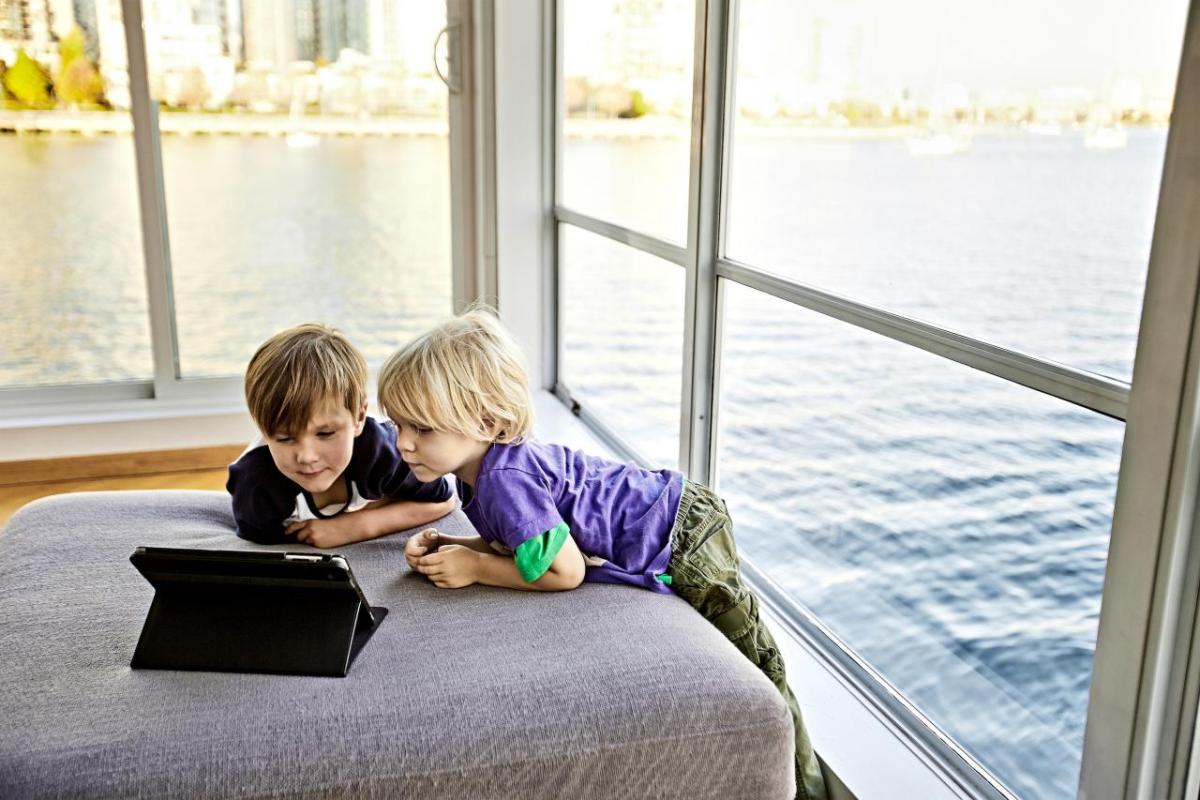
(605, 691)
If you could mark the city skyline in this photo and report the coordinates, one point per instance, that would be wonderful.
(804, 53)
(349, 57)
(798, 59)
(272, 31)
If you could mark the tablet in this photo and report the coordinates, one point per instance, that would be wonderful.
(252, 611)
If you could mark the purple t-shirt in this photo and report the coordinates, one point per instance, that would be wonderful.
(619, 515)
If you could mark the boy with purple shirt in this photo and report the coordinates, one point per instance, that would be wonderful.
(550, 518)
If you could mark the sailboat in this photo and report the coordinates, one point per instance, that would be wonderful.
(296, 137)
(943, 137)
(1104, 130)
(938, 142)
(1110, 136)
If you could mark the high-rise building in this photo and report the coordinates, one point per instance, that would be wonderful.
(85, 18)
(11, 29)
(29, 24)
(110, 35)
(307, 18)
(60, 17)
(384, 34)
(225, 16)
(325, 27)
(403, 32)
(269, 32)
(357, 25)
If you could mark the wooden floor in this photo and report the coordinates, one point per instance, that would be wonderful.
(13, 497)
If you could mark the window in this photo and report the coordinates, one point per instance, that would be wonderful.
(624, 168)
(292, 168)
(900, 158)
(622, 322)
(327, 146)
(918, 262)
(950, 527)
(627, 89)
(72, 280)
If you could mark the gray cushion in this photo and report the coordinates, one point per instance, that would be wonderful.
(605, 691)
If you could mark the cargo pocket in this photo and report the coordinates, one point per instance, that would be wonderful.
(705, 531)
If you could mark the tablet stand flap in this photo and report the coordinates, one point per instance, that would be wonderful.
(238, 628)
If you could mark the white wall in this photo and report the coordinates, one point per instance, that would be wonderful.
(520, 208)
(131, 431)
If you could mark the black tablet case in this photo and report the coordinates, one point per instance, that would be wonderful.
(237, 611)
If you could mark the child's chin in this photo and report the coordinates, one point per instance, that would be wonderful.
(315, 484)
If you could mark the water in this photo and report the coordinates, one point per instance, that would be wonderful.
(948, 526)
(353, 232)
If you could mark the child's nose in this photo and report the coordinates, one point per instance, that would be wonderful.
(306, 452)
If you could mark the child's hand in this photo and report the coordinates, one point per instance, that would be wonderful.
(324, 532)
(420, 544)
(451, 567)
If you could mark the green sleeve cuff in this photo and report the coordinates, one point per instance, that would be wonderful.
(534, 556)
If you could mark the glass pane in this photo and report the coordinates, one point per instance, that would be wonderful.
(621, 329)
(306, 163)
(627, 67)
(72, 280)
(992, 169)
(950, 527)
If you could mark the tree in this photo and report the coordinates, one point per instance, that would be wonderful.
(28, 83)
(79, 82)
(637, 106)
(73, 45)
(193, 89)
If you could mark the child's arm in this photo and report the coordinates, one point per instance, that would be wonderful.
(259, 503)
(379, 518)
(456, 566)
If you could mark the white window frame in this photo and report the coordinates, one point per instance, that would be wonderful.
(1141, 732)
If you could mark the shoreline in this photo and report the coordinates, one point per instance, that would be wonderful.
(188, 123)
(191, 123)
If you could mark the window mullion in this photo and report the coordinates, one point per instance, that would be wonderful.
(1087, 390)
(552, 108)
(1137, 700)
(152, 204)
(700, 304)
(471, 101)
(659, 248)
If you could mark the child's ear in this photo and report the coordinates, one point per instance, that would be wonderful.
(361, 420)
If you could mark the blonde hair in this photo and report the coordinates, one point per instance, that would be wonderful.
(296, 371)
(465, 376)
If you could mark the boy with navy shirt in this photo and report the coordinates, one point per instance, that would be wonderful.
(322, 472)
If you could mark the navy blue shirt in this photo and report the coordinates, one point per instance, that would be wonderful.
(265, 501)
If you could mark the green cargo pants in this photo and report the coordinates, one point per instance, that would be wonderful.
(705, 571)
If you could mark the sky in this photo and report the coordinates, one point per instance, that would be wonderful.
(1025, 45)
